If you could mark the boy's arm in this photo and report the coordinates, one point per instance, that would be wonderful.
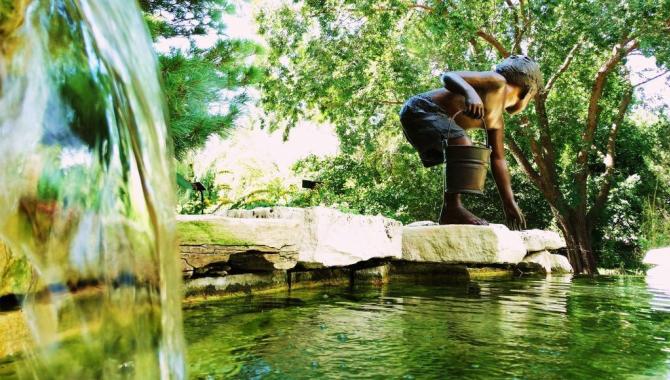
(468, 83)
(513, 214)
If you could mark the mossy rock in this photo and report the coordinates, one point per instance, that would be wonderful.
(207, 232)
(16, 273)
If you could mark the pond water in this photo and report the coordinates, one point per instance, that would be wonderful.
(560, 327)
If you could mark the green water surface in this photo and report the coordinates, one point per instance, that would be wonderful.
(555, 328)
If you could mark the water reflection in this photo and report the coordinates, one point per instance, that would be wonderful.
(555, 328)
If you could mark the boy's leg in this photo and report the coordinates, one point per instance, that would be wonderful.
(453, 211)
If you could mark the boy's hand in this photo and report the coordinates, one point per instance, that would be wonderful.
(514, 217)
(474, 107)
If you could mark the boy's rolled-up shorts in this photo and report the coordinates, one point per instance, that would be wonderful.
(425, 125)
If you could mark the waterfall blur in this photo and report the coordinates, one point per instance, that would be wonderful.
(86, 190)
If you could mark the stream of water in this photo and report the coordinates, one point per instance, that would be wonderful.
(87, 190)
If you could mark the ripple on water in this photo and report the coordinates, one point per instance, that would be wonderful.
(554, 328)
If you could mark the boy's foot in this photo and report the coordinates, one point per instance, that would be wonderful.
(460, 215)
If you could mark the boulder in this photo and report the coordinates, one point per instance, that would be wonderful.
(549, 262)
(466, 244)
(560, 264)
(242, 244)
(540, 240)
(332, 238)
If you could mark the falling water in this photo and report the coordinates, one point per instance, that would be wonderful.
(86, 190)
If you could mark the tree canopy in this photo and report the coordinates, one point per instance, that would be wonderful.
(354, 63)
(197, 81)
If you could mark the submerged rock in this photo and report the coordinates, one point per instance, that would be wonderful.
(246, 283)
(467, 244)
(549, 262)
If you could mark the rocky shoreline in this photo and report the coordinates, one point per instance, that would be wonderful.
(247, 251)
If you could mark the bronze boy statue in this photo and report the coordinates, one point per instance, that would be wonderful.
(427, 120)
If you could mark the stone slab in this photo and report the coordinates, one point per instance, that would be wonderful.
(320, 277)
(331, 238)
(463, 244)
(246, 283)
(244, 244)
(376, 275)
(540, 240)
(429, 272)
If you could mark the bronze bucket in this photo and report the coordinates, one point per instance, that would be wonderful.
(466, 166)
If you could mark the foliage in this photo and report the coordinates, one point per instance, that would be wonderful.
(354, 64)
(189, 200)
(197, 81)
(274, 193)
(194, 83)
(170, 18)
(655, 225)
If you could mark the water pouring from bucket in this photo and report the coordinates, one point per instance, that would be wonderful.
(86, 194)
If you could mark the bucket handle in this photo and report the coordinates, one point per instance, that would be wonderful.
(452, 120)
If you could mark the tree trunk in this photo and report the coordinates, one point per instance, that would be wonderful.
(577, 232)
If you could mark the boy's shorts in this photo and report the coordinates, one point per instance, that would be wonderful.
(425, 125)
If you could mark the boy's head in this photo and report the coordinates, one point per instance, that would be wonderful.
(523, 72)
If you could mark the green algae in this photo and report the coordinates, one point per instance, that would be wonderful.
(202, 232)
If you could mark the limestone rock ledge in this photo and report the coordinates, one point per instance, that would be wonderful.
(244, 245)
(463, 244)
(330, 238)
(539, 240)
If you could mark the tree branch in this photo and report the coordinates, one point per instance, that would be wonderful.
(517, 28)
(619, 51)
(421, 6)
(551, 195)
(493, 42)
(651, 79)
(548, 154)
(523, 161)
(563, 68)
(610, 157)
